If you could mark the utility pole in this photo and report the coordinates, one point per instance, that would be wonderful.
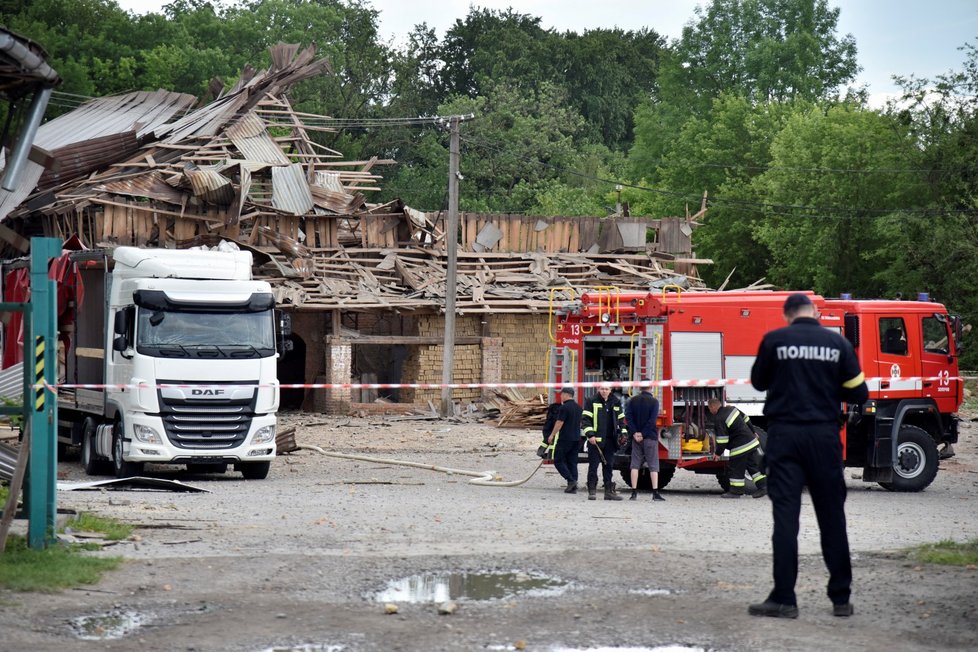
(451, 246)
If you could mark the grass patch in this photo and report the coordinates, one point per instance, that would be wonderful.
(111, 528)
(52, 569)
(4, 493)
(948, 553)
(60, 566)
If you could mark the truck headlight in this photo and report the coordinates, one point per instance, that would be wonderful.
(263, 435)
(145, 434)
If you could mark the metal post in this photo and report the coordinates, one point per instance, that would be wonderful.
(42, 468)
(451, 245)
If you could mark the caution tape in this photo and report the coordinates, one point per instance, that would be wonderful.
(713, 382)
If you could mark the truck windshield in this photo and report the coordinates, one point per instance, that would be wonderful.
(180, 334)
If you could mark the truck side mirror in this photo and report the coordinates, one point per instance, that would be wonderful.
(958, 333)
(284, 320)
(120, 344)
(119, 327)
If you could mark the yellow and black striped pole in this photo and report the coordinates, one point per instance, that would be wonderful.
(39, 373)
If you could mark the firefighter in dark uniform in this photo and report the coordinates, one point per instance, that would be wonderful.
(808, 372)
(734, 433)
(565, 437)
(603, 418)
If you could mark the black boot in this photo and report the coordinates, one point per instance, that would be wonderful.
(592, 491)
(609, 493)
(634, 495)
(571, 487)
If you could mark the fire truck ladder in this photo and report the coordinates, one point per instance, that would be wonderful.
(647, 352)
(563, 366)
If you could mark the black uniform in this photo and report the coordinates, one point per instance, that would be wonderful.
(603, 420)
(567, 443)
(735, 434)
(808, 371)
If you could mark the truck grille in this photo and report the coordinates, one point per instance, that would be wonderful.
(211, 423)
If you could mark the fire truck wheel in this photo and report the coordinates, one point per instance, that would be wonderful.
(916, 463)
(666, 471)
(122, 468)
(644, 479)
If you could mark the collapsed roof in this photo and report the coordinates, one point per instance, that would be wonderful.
(146, 169)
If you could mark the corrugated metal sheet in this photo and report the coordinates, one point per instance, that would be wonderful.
(329, 181)
(211, 186)
(141, 112)
(205, 121)
(12, 382)
(290, 192)
(250, 136)
(79, 159)
(149, 185)
(341, 203)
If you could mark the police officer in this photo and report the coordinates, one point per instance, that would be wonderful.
(565, 437)
(807, 371)
(602, 418)
(734, 433)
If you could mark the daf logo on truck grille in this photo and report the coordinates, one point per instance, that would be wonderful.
(207, 392)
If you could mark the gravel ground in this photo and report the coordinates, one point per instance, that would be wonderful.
(296, 561)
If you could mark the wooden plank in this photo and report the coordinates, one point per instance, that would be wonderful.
(575, 234)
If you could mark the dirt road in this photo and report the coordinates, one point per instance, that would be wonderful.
(308, 558)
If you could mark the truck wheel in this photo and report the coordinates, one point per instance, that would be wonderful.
(90, 461)
(255, 470)
(666, 471)
(644, 479)
(122, 468)
(916, 463)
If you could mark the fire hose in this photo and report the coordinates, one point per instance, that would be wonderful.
(480, 478)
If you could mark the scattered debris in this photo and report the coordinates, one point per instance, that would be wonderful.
(133, 483)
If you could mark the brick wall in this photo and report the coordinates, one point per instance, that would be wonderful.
(522, 356)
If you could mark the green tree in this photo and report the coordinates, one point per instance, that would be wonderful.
(720, 154)
(834, 175)
(765, 50)
(517, 146)
(762, 50)
(607, 73)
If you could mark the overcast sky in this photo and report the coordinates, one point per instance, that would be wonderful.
(893, 37)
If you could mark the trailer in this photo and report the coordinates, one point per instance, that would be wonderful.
(907, 349)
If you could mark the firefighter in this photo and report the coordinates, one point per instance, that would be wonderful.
(602, 419)
(734, 433)
(808, 372)
(565, 437)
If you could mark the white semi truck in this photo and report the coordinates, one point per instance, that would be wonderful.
(179, 347)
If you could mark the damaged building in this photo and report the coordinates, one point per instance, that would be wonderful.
(364, 282)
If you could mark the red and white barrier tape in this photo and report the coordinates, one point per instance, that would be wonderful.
(715, 382)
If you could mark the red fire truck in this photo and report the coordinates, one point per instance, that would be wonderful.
(908, 351)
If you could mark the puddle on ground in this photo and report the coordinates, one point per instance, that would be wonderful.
(658, 648)
(441, 587)
(309, 647)
(651, 592)
(108, 626)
